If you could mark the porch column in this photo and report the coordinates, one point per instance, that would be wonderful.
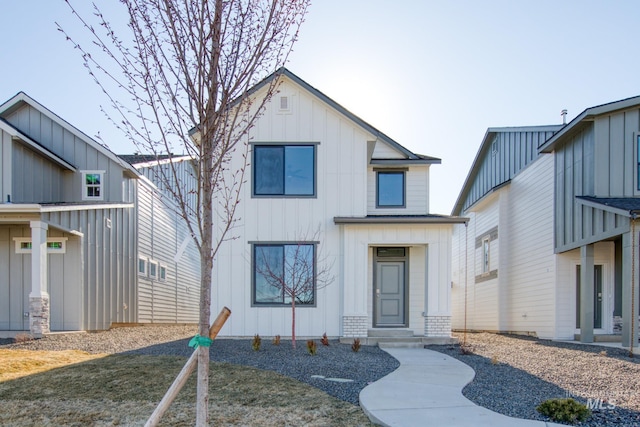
(586, 293)
(630, 279)
(39, 297)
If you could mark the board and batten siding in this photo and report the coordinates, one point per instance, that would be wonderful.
(161, 235)
(508, 152)
(34, 178)
(108, 251)
(416, 192)
(74, 148)
(599, 160)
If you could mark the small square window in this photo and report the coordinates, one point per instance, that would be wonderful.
(390, 189)
(92, 185)
(55, 245)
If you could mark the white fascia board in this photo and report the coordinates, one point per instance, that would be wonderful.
(161, 162)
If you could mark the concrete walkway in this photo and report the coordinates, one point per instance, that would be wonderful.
(426, 390)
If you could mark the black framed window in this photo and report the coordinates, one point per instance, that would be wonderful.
(282, 272)
(284, 170)
(390, 189)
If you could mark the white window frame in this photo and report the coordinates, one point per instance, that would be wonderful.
(486, 255)
(85, 186)
(162, 273)
(145, 261)
(24, 250)
(152, 263)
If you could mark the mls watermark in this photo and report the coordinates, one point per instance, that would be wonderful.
(601, 401)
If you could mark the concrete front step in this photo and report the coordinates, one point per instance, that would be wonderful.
(401, 342)
(390, 332)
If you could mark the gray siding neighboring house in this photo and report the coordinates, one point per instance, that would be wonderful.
(70, 218)
(567, 248)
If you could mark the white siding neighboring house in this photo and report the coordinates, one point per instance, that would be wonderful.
(366, 195)
(563, 202)
(70, 219)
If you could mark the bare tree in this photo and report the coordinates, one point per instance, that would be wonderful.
(181, 80)
(290, 274)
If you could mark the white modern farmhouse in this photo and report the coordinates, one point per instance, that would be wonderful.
(86, 240)
(551, 247)
(357, 202)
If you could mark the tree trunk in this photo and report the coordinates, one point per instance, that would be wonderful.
(293, 321)
(202, 397)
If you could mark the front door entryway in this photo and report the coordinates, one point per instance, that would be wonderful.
(390, 287)
(597, 297)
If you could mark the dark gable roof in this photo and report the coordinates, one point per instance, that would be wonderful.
(411, 157)
(587, 115)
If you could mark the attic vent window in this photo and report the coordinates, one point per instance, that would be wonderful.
(284, 102)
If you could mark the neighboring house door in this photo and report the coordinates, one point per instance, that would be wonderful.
(597, 296)
(390, 287)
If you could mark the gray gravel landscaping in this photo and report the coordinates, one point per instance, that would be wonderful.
(515, 374)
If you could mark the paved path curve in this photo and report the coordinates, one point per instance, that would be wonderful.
(427, 390)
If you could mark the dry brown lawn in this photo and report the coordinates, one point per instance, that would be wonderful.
(74, 388)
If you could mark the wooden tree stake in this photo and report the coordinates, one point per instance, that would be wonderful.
(186, 371)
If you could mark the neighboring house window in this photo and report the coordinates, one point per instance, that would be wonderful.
(284, 170)
(281, 271)
(92, 185)
(390, 189)
(142, 266)
(153, 269)
(55, 245)
(163, 273)
(485, 255)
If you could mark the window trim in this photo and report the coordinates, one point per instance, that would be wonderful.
(85, 186)
(486, 255)
(254, 245)
(50, 250)
(150, 264)
(284, 144)
(404, 187)
(146, 269)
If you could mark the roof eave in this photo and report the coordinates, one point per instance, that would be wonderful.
(400, 220)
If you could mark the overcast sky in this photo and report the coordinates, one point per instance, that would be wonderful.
(433, 75)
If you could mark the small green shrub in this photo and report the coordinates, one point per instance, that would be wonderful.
(257, 341)
(324, 340)
(356, 345)
(276, 340)
(312, 347)
(565, 410)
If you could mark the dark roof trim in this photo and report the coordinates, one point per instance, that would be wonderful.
(400, 219)
(485, 146)
(333, 104)
(400, 162)
(624, 206)
(33, 145)
(576, 124)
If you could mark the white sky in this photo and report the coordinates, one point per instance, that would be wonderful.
(433, 75)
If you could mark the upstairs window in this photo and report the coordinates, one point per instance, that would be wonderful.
(92, 185)
(390, 189)
(284, 170)
(638, 162)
